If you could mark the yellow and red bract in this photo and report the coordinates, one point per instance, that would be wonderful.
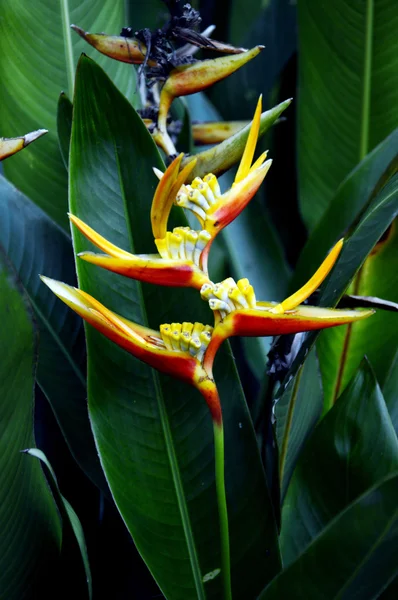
(176, 349)
(238, 313)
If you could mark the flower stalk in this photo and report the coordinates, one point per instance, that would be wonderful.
(219, 457)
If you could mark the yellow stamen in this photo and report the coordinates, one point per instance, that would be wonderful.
(187, 337)
(251, 143)
(229, 296)
(311, 285)
(183, 244)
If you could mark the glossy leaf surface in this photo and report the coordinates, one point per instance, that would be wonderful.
(272, 24)
(351, 198)
(36, 245)
(390, 392)
(64, 126)
(348, 74)
(377, 338)
(31, 528)
(38, 56)
(352, 449)
(154, 435)
(68, 512)
(376, 219)
(296, 413)
(355, 556)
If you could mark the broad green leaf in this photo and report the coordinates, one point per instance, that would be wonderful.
(355, 556)
(377, 337)
(348, 75)
(390, 391)
(30, 526)
(350, 199)
(297, 412)
(38, 55)
(153, 433)
(70, 514)
(352, 449)
(376, 219)
(36, 245)
(271, 23)
(64, 126)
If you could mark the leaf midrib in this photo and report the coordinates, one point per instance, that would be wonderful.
(289, 419)
(66, 34)
(168, 437)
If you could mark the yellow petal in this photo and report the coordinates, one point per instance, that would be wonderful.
(251, 143)
(313, 284)
(166, 193)
(98, 240)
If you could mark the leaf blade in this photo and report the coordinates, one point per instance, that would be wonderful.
(30, 89)
(31, 528)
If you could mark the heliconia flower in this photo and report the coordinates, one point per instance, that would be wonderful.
(176, 349)
(179, 262)
(128, 50)
(195, 77)
(203, 196)
(10, 146)
(237, 312)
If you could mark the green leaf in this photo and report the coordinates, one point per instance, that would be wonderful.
(350, 199)
(70, 514)
(352, 449)
(297, 411)
(355, 556)
(348, 92)
(38, 55)
(154, 434)
(271, 23)
(390, 392)
(377, 218)
(31, 529)
(64, 126)
(36, 245)
(376, 337)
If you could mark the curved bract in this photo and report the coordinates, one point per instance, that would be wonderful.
(10, 146)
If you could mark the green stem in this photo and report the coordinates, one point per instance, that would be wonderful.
(222, 507)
